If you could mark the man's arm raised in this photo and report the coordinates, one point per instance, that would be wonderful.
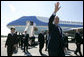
(57, 7)
(54, 13)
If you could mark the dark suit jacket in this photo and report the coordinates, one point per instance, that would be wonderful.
(26, 38)
(11, 40)
(41, 38)
(65, 40)
(56, 43)
(78, 38)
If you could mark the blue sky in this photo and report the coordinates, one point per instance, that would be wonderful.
(12, 10)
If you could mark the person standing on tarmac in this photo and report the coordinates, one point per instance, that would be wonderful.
(41, 42)
(25, 39)
(78, 40)
(11, 42)
(56, 42)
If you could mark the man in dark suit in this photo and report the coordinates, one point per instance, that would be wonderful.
(56, 43)
(41, 42)
(78, 40)
(16, 49)
(65, 36)
(33, 40)
(25, 39)
(11, 42)
(19, 42)
(47, 38)
(21, 36)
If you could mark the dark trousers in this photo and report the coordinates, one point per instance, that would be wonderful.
(55, 54)
(58, 52)
(25, 47)
(21, 44)
(66, 45)
(41, 47)
(10, 50)
(52, 53)
(46, 44)
(78, 49)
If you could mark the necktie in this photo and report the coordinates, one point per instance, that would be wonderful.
(59, 29)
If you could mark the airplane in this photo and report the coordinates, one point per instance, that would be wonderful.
(34, 25)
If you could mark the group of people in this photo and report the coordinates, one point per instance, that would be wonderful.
(14, 41)
(56, 44)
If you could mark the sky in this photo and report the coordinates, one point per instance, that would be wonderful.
(12, 10)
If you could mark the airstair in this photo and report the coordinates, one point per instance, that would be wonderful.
(29, 28)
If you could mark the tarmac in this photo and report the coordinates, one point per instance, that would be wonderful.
(34, 51)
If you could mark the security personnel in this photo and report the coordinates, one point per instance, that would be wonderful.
(66, 40)
(11, 42)
(25, 39)
(78, 40)
(47, 38)
(41, 42)
(21, 36)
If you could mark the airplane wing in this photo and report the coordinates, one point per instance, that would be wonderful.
(71, 29)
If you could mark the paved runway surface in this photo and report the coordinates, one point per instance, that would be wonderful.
(34, 51)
